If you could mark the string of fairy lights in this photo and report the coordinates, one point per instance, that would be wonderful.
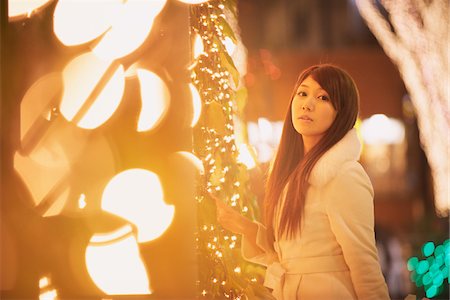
(222, 270)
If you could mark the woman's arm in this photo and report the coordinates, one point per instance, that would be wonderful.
(349, 204)
(255, 246)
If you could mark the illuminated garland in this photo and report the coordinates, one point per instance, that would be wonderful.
(431, 272)
(222, 271)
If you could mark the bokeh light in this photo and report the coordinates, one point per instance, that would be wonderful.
(196, 104)
(431, 272)
(19, 9)
(155, 99)
(79, 22)
(93, 89)
(114, 263)
(136, 195)
(130, 29)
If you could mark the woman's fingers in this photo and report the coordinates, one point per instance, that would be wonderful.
(229, 218)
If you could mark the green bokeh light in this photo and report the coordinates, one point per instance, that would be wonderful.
(445, 272)
(422, 267)
(427, 278)
(413, 276)
(431, 291)
(419, 280)
(434, 268)
(439, 260)
(432, 271)
(428, 249)
(412, 263)
(439, 250)
(438, 280)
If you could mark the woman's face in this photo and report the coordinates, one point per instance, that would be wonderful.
(312, 110)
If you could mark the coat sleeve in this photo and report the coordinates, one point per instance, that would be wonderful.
(349, 206)
(257, 249)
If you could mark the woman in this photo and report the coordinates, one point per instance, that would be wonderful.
(318, 242)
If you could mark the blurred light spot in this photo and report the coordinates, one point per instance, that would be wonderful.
(431, 291)
(78, 22)
(422, 267)
(49, 295)
(81, 77)
(136, 195)
(155, 98)
(379, 129)
(412, 263)
(82, 201)
(198, 46)
(265, 129)
(114, 263)
(245, 157)
(196, 104)
(264, 135)
(428, 249)
(130, 29)
(229, 45)
(43, 282)
(19, 9)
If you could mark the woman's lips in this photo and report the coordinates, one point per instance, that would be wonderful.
(305, 118)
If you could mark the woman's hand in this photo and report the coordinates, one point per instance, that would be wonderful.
(233, 221)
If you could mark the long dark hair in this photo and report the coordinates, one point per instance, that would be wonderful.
(291, 164)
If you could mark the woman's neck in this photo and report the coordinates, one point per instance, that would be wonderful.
(309, 142)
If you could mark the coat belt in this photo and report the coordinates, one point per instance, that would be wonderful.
(275, 273)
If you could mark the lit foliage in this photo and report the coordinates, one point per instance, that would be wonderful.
(223, 273)
(431, 272)
(415, 35)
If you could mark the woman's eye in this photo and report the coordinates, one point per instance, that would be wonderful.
(324, 98)
(302, 94)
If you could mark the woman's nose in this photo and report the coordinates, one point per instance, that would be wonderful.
(307, 105)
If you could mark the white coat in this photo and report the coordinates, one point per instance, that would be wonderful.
(334, 255)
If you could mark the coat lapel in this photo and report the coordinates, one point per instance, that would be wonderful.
(327, 167)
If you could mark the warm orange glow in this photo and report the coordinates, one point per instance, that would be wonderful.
(130, 29)
(196, 104)
(78, 22)
(198, 46)
(114, 263)
(37, 103)
(19, 9)
(155, 99)
(41, 172)
(81, 77)
(136, 195)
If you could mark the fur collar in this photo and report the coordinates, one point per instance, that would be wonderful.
(327, 167)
